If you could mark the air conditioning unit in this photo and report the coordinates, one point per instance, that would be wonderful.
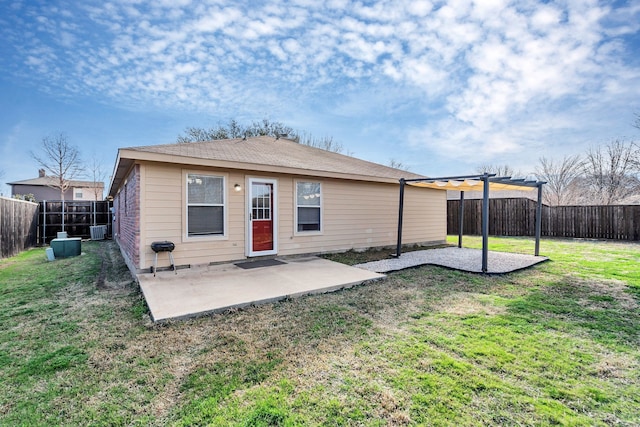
(98, 232)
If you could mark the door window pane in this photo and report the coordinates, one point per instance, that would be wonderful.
(261, 201)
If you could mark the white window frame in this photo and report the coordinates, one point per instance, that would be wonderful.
(275, 218)
(225, 206)
(296, 206)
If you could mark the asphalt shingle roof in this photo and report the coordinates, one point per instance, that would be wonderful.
(269, 151)
(46, 180)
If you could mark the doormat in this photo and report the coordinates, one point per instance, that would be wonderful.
(260, 263)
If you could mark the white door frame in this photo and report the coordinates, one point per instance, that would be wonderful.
(274, 217)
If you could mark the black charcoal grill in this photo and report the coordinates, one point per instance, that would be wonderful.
(164, 246)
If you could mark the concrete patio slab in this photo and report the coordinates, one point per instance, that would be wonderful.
(210, 289)
(463, 259)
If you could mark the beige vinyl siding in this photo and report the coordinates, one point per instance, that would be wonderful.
(355, 214)
(425, 216)
(359, 215)
(164, 218)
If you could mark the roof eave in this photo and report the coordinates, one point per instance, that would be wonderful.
(136, 155)
(120, 169)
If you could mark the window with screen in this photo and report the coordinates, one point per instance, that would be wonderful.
(205, 205)
(308, 206)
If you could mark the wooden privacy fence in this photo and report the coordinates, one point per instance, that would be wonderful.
(516, 217)
(75, 217)
(18, 226)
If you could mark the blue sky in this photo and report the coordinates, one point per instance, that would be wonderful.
(440, 86)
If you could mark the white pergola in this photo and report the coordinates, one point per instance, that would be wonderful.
(484, 182)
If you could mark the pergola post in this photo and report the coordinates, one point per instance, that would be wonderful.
(461, 219)
(487, 180)
(538, 220)
(400, 213)
(485, 222)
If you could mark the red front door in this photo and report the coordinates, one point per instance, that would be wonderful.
(261, 216)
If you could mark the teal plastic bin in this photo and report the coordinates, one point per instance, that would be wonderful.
(65, 248)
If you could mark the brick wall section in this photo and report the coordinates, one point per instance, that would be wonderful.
(127, 227)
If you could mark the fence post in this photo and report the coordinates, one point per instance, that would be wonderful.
(62, 209)
(44, 222)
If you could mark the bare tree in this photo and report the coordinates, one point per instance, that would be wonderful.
(193, 134)
(233, 129)
(27, 197)
(265, 127)
(96, 172)
(61, 160)
(611, 172)
(326, 143)
(396, 164)
(636, 124)
(499, 170)
(562, 179)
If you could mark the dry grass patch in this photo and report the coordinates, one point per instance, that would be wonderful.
(616, 365)
(469, 303)
(426, 346)
(607, 294)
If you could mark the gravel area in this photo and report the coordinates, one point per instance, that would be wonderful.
(456, 258)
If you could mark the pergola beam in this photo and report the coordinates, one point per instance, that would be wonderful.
(446, 178)
(506, 180)
(486, 179)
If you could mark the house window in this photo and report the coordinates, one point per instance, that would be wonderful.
(78, 194)
(308, 206)
(126, 204)
(205, 205)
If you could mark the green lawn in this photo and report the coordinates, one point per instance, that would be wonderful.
(558, 344)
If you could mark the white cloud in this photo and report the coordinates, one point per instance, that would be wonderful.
(477, 68)
(215, 19)
(545, 17)
(420, 8)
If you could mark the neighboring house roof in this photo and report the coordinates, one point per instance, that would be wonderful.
(263, 153)
(47, 180)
